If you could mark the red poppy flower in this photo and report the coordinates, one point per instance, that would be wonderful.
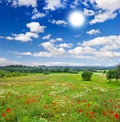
(33, 100)
(87, 114)
(88, 105)
(111, 112)
(117, 116)
(104, 113)
(91, 117)
(78, 101)
(84, 101)
(8, 110)
(79, 111)
(27, 102)
(3, 114)
(110, 100)
(92, 113)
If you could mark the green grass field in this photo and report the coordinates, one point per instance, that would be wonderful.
(59, 98)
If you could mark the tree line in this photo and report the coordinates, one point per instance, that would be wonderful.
(18, 70)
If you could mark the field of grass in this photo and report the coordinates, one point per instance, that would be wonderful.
(59, 98)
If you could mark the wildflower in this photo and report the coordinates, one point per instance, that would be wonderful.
(84, 100)
(33, 100)
(91, 117)
(104, 113)
(111, 112)
(110, 100)
(87, 114)
(27, 102)
(8, 110)
(88, 105)
(79, 111)
(46, 106)
(54, 103)
(117, 116)
(78, 101)
(92, 113)
(3, 114)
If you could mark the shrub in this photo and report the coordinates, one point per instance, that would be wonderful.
(86, 75)
(46, 72)
(2, 74)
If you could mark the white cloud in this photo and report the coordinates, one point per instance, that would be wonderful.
(56, 40)
(59, 39)
(88, 12)
(82, 50)
(74, 4)
(108, 54)
(42, 54)
(98, 49)
(108, 5)
(23, 53)
(4, 62)
(102, 41)
(52, 4)
(65, 45)
(27, 3)
(36, 27)
(102, 17)
(23, 37)
(112, 47)
(53, 50)
(9, 38)
(37, 14)
(85, 3)
(59, 22)
(108, 9)
(46, 37)
(63, 64)
(93, 31)
(106, 47)
(47, 46)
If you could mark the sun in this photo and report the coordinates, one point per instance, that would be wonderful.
(76, 19)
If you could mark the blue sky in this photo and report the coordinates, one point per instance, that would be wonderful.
(39, 32)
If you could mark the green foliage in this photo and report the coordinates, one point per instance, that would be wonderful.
(52, 69)
(4, 74)
(113, 73)
(86, 75)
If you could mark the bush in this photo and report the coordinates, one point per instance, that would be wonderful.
(2, 74)
(46, 72)
(86, 75)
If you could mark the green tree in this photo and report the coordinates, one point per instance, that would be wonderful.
(110, 74)
(114, 74)
(117, 73)
(104, 72)
(86, 75)
(2, 74)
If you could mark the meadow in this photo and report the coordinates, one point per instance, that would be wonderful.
(60, 97)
